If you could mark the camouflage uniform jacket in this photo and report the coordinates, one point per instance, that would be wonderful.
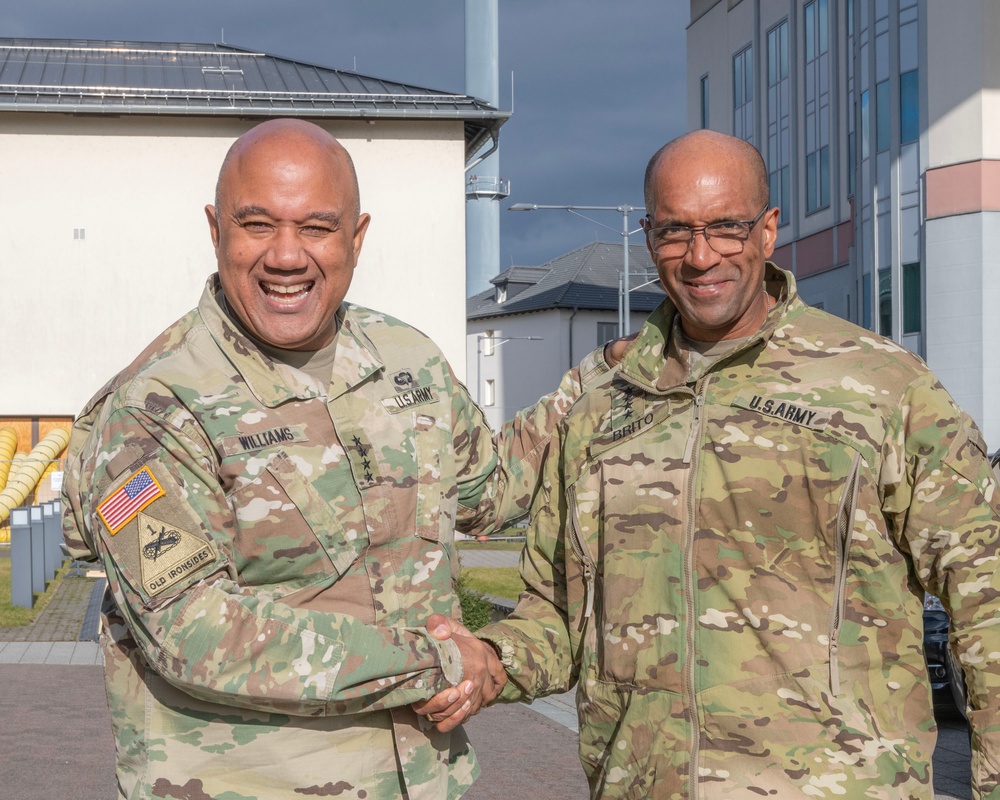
(732, 564)
(274, 548)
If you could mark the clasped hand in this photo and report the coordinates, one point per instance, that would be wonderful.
(483, 677)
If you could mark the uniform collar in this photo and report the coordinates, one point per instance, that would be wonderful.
(650, 362)
(273, 382)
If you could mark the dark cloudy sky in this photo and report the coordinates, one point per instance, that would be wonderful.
(598, 84)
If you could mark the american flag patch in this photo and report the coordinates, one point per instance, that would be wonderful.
(138, 492)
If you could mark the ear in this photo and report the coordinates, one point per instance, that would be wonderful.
(770, 226)
(213, 225)
(645, 224)
(359, 234)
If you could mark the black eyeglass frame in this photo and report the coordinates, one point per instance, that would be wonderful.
(706, 230)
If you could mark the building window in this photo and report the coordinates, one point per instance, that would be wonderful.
(743, 94)
(501, 294)
(881, 116)
(865, 137)
(885, 301)
(851, 154)
(489, 346)
(778, 120)
(606, 331)
(909, 107)
(489, 392)
(704, 101)
(913, 305)
(79, 234)
(817, 104)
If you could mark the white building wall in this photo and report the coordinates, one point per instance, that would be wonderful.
(522, 370)
(75, 311)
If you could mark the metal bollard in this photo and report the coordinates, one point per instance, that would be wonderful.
(37, 549)
(51, 524)
(20, 558)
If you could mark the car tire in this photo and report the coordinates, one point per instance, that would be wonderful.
(956, 680)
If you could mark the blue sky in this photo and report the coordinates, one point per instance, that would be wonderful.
(599, 85)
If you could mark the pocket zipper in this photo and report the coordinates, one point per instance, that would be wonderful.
(845, 530)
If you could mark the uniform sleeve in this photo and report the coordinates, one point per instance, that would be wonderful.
(499, 475)
(534, 641)
(162, 524)
(943, 496)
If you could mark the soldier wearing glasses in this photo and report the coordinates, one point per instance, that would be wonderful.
(731, 550)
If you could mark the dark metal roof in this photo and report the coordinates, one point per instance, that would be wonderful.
(108, 77)
(520, 275)
(586, 278)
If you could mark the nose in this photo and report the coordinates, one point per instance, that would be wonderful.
(700, 254)
(286, 251)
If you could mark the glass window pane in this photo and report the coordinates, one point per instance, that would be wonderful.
(850, 163)
(824, 177)
(810, 30)
(882, 116)
(811, 178)
(865, 145)
(912, 305)
(866, 301)
(885, 301)
(909, 107)
(824, 36)
(748, 72)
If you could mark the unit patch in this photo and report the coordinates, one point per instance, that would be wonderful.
(403, 380)
(813, 418)
(120, 507)
(167, 554)
(405, 400)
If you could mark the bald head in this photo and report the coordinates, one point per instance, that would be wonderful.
(284, 135)
(716, 149)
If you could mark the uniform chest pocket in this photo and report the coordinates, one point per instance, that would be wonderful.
(287, 536)
(627, 513)
(437, 490)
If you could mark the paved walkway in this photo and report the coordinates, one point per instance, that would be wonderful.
(56, 742)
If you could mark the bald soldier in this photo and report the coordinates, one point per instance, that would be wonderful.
(276, 526)
(730, 553)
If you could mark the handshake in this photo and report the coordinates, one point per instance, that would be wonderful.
(483, 677)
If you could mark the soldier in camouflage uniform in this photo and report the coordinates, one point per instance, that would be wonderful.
(730, 553)
(273, 487)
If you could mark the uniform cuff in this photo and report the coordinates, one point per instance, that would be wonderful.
(451, 660)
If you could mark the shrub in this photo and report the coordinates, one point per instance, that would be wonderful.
(477, 611)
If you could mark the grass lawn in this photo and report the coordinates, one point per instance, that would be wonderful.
(499, 581)
(14, 616)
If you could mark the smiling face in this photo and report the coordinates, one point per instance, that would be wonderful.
(701, 179)
(287, 233)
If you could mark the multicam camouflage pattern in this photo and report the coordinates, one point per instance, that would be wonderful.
(732, 564)
(266, 637)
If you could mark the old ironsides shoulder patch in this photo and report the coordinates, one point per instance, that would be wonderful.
(789, 410)
(168, 554)
(120, 507)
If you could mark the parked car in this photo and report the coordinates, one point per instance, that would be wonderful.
(947, 680)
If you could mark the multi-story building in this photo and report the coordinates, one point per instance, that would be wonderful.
(879, 121)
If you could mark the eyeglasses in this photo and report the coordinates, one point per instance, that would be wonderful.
(725, 238)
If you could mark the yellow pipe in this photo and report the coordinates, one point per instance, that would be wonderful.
(21, 483)
(8, 446)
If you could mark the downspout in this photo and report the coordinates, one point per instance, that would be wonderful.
(571, 362)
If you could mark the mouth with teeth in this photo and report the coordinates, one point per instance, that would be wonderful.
(286, 294)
